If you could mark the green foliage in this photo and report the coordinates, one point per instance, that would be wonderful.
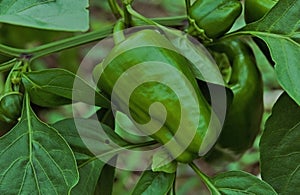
(280, 30)
(154, 183)
(279, 147)
(89, 168)
(31, 163)
(238, 182)
(54, 87)
(81, 155)
(66, 15)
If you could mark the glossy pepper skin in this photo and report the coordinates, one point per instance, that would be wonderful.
(215, 17)
(10, 107)
(149, 46)
(242, 122)
(256, 9)
(10, 101)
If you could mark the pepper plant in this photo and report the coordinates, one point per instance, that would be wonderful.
(169, 93)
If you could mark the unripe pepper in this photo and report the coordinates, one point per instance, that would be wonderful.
(215, 17)
(242, 122)
(10, 97)
(152, 47)
(256, 9)
(10, 107)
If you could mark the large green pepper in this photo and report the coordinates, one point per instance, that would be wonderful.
(149, 46)
(242, 122)
(256, 9)
(215, 17)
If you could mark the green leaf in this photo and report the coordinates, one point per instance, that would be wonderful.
(85, 134)
(239, 182)
(35, 159)
(127, 130)
(154, 183)
(106, 179)
(159, 162)
(65, 15)
(202, 64)
(53, 87)
(67, 128)
(280, 29)
(88, 132)
(89, 174)
(90, 167)
(280, 147)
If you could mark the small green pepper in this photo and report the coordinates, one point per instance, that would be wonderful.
(149, 46)
(256, 9)
(215, 17)
(10, 99)
(242, 122)
(10, 107)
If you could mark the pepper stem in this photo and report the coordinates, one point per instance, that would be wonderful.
(187, 6)
(8, 84)
(127, 14)
(57, 45)
(7, 65)
(118, 34)
(139, 16)
(172, 191)
(116, 10)
(213, 190)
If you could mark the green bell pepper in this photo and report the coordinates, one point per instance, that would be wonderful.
(242, 122)
(215, 17)
(11, 99)
(256, 9)
(10, 107)
(150, 48)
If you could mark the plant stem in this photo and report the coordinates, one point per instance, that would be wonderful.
(116, 10)
(118, 32)
(9, 51)
(8, 85)
(166, 21)
(127, 15)
(71, 42)
(187, 6)
(213, 190)
(82, 39)
(57, 45)
(173, 189)
(139, 16)
(171, 21)
(7, 65)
